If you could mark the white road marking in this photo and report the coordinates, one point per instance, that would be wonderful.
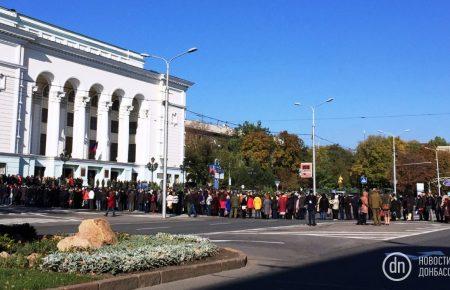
(344, 234)
(153, 228)
(246, 241)
(214, 224)
(13, 221)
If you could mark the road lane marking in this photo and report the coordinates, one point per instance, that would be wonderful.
(153, 228)
(214, 224)
(246, 241)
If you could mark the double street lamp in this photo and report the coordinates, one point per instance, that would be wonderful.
(152, 166)
(437, 169)
(64, 156)
(313, 137)
(394, 168)
(166, 118)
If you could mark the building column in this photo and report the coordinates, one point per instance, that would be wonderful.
(79, 128)
(28, 122)
(142, 137)
(53, 123)
(103, 134)
(124, 133)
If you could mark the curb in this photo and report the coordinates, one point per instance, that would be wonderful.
(152, 278)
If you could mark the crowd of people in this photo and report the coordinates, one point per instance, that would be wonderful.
(139, 196)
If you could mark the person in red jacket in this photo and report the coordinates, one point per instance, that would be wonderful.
(250, 205)
(111, 203)
(282, 205)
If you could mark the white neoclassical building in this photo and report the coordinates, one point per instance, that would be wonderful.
(60, 90)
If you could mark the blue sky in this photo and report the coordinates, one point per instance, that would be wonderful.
(256, 58)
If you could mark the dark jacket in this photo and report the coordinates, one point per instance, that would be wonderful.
(311, 202)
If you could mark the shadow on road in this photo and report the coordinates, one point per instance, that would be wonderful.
(358, 271)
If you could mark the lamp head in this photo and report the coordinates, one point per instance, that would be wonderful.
(191, 50)
(297, 104)
(330, 100)
(145, 54)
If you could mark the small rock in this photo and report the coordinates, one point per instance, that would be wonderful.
(4, 255)
(32, 259)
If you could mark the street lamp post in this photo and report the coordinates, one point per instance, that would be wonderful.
(64, 156)
(313, 137)
(394, 168)
(166, 119)
(437, 169)
(152, 166)
(182, 169)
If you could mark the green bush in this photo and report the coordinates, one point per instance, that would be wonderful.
(14, 261)
(137, 253)
(6, 243)
(44, 246)
(22, 232)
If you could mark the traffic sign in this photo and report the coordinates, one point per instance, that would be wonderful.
(363, 180)
(446, 182)
(277, 183)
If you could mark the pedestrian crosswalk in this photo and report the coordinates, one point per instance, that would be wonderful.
(342, 231)
(34, 218)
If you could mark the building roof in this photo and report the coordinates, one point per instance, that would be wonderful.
(78, 41)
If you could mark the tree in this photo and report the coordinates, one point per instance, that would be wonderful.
(200, 152)
(289, 151)
(258, 146)
(334, 161)
(437, 141)
(247, 128)
(412, 166)
(253, 176)
(373, 159)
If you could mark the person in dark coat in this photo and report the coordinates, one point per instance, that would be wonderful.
(341, 206)
(324, 205)
(131, 200)
(290, 206)
(420, 206)
(301, 206)
(244, 206)
(311, 203)
(275, 207)
(348, 207)
(439, 209)
(395, 208)
(355, 206)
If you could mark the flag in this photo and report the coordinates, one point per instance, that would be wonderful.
(93, 148)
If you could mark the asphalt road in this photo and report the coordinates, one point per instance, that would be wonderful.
(282, 254)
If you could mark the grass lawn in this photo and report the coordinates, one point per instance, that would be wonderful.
(35, 279)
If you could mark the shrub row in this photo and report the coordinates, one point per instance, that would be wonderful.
(136, 253)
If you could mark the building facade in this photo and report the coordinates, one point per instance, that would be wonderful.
(61, 91)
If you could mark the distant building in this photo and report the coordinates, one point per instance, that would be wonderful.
(196, 128)
(64, 91)
(444, 148)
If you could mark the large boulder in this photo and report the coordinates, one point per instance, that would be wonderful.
(92, 234)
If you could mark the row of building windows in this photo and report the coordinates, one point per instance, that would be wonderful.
(92, 148)
(113, 151)
(93, 123)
